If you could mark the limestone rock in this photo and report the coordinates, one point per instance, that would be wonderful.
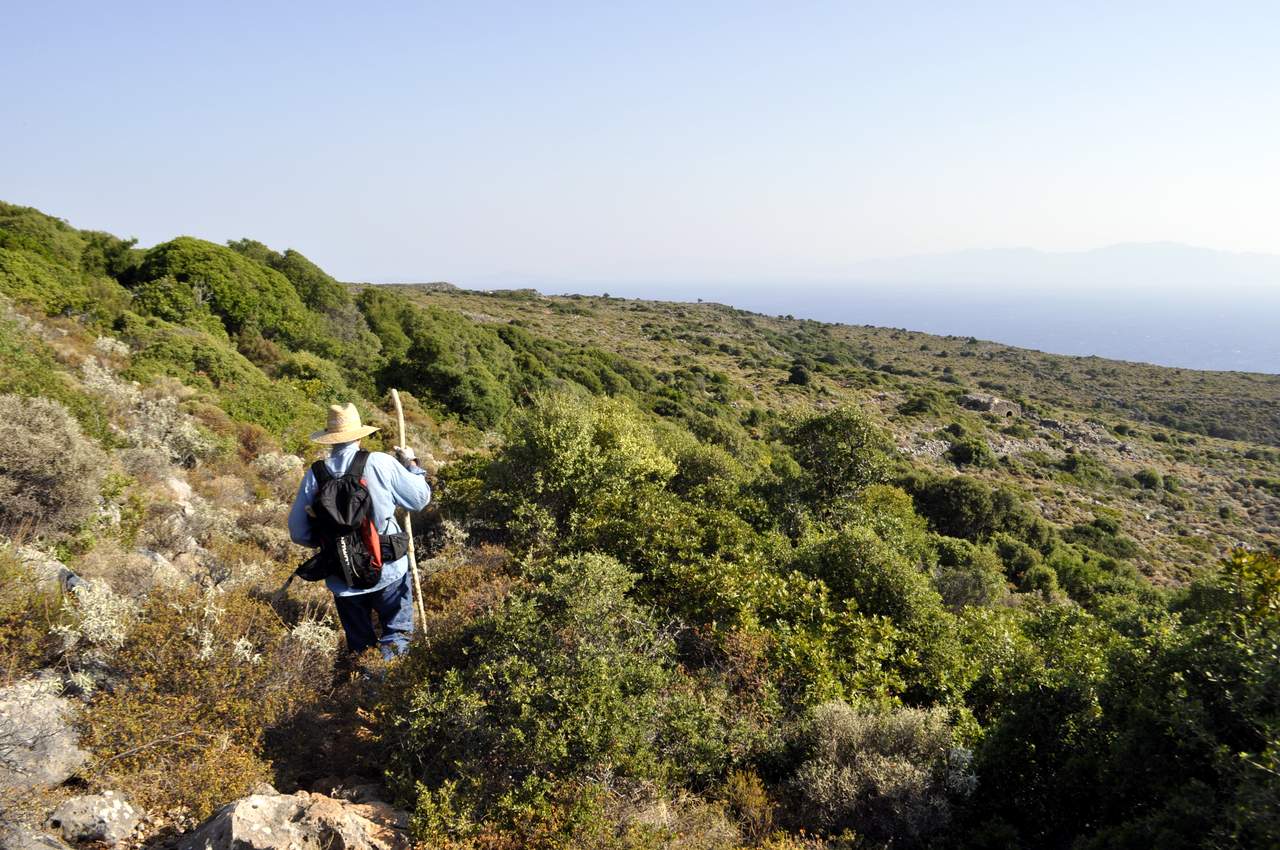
(21, 837)
(300, 821)
(37, 744)
(105, 817)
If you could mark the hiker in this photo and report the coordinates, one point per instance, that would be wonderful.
(391, 483)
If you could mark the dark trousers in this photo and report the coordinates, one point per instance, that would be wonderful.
(394, 605)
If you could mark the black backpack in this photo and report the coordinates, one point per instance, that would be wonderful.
(342, 517)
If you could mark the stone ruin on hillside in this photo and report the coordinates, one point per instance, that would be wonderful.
(990, 404)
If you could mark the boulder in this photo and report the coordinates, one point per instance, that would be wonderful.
(107, 818)
(21, 837)
(37, 744)
(300, 821)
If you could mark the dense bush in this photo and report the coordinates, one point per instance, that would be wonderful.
(971, 451)
(885, 777)
(568, 680)
(960, 506)
(563, 456)
(839, 452)
(967, 574)
(49, 471)
(861, 567)
(238, 290)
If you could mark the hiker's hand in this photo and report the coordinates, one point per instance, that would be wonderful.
(405, 455)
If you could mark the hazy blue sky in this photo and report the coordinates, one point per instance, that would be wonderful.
(649, 141)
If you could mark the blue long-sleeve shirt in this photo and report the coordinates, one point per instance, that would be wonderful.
(390, 486)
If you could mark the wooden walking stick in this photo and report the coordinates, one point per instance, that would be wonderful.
(408, 523)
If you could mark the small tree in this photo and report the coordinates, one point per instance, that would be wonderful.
(840, 451)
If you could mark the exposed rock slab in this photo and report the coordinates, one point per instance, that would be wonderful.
(300, 821)
(37, 744)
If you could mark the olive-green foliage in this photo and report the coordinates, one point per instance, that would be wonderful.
(925, 401)
(28, 611)
(1168, 738)
(889, 513)
(1085, 467)
(1150, 479)
(569, 679)
(27, 229)
(49, 471)
(345, 337)
(208, 362)
(565, 455)
(971, 451)
(965, 507)
(174, 301)
(1041, 692)
(840, 452)
(887, 776)
(967, 574)
(438, 355)
(241, 292)
(316, 378)
(861, 567)
(1102, 535)
(46, 262)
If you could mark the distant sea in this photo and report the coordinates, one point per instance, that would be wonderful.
(1219, 331)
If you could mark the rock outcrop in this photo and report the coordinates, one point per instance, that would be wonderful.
(301, 821)
(37, 744)
(105, 818)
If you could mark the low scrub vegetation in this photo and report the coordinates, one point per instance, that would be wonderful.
(718, 582)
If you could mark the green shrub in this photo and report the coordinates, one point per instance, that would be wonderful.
(840, 451)
(1149, 479)
(29, 230)
(563, 456)
(1085, 467)
(28, 611)
(568, 680)
(28, 368)
(316, 378)
(243, 392)
(960, 506)
(241, 292)
(971, 451)
(925, 401)
(49, 471)
(858, 566)
(967, 574)
(203, 680)
(167, 298)
(1041, 580)
(887, 776)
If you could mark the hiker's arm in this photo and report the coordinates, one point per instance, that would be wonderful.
(409, 487)
(299, 521)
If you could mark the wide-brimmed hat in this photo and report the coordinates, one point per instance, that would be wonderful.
(343, 426)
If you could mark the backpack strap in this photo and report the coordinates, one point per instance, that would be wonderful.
(356, 469)
(320, 472)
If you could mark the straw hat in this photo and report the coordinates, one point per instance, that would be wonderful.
(343, 426)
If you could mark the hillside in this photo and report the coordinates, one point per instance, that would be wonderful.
(694, 577)
(1113, 419)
